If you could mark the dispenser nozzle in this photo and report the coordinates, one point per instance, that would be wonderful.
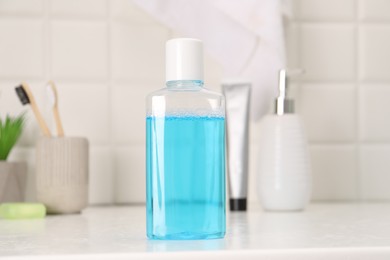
(282, 83)
(284, 105)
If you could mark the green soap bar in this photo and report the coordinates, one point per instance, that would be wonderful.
(22, 210)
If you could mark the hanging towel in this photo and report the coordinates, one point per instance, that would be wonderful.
(244, 36)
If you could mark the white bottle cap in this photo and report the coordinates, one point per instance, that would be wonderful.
(184, 59)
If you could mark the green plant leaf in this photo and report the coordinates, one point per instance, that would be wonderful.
(10, 130)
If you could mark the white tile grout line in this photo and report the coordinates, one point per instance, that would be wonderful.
(138, 81)
(357, 102)
(110, 86)
(341, 22)
(48, 49)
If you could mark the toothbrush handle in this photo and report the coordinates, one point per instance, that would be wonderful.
(36, 111)
(41, 122)
(60, 129)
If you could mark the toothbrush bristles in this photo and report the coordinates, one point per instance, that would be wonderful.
(23, 97)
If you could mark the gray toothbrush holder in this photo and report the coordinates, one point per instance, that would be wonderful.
(62, 174)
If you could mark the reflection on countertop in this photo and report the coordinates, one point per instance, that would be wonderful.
(342, 229)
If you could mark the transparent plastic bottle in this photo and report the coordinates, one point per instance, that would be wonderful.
(185, 151)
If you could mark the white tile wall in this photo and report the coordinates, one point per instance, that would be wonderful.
(292, 37)
(129, 165)
(106, 55)
(375, 168)
(138, 51)
(126, 11)
(336, 58)
(374, 10)
(343, 98)
(79, 49)
(21, 7)
(334, 172)
(330, 10)
(85, 111)
(101, 175)
(21, 48)
(329, 111)
(374, 52)
(375, 110)
(84, 8)
(128, 115)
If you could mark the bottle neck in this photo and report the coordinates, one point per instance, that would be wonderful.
(284, 106)
(185, 84)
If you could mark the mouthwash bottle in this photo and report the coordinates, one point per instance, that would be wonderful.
(185, 151)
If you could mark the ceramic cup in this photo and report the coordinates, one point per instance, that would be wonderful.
(62, 174)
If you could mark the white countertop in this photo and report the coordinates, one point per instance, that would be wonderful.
(334, 231)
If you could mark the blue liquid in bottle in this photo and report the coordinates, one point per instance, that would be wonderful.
(185, 177)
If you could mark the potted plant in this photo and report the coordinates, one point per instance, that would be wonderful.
(12, 174)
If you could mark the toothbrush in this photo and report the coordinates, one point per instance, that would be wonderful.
(26, 97)
(53, 97)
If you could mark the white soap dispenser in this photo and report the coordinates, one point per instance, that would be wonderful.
(284, 178)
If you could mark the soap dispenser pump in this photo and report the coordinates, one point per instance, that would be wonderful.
(284, 178)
